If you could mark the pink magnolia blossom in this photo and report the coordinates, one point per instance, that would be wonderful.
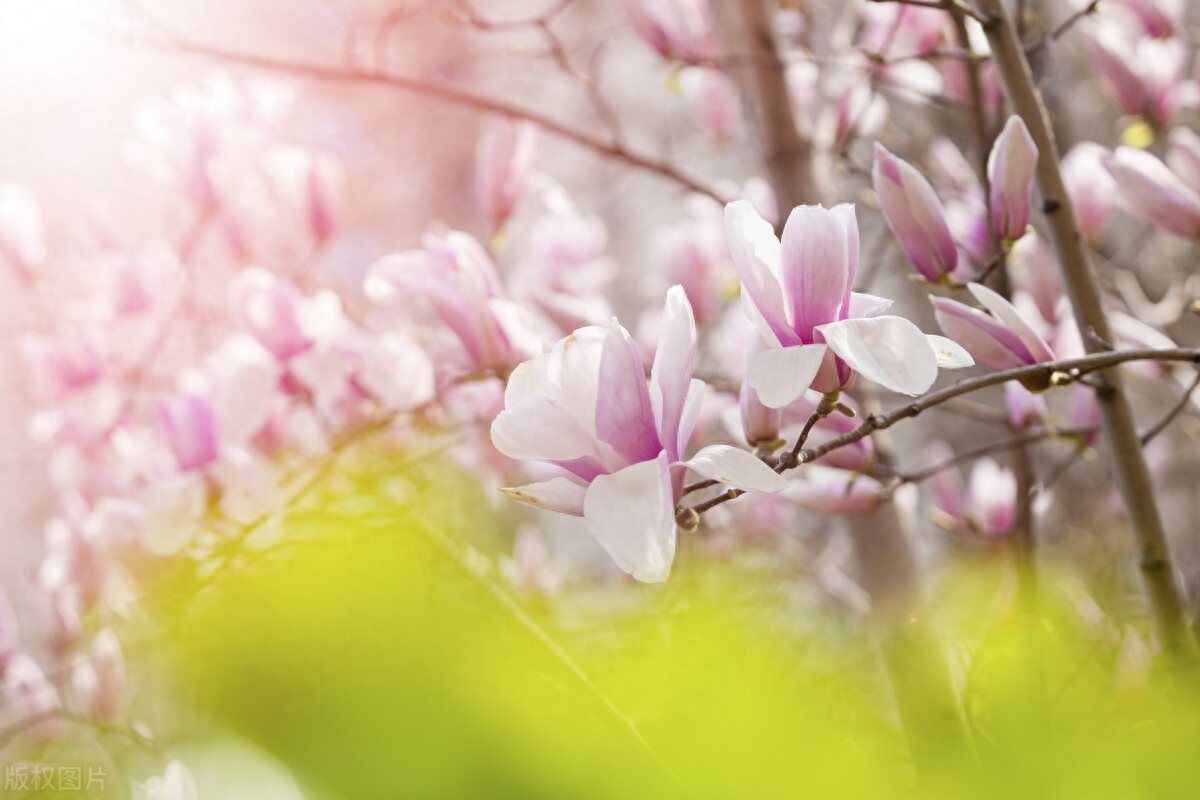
(1023, 406)
(269, 309)
(1035, 270)
(818, 331)
(189, 426)
(1092, 189)
(914, 214)
(828, 490)
(1002, 339)
(714, 100)
(586, 408)
(1144, 75)
(455, 279)
(504, 158)
(1010, 169)
(1149, 191)
(681, 29)
(987, 502)
(1157, 18)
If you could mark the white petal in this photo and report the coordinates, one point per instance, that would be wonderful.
(781, 375)
(736, 467)
(867, 305)
(557, 494)
(950, 354)
(541, 429)
(632, 517)
(1010, 318)
(891, 351)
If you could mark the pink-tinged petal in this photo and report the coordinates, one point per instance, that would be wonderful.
(825, 490)
(671, 373)
(1011, 319)
(1084, 411)
(914, 214)
(1024, 407)
(243, 378)
(1091, 188)
(759, 423)
(866, 305)
(268, 308)
(1115, 62)
(631, 515)
(1011, 166)
(1184, 156)
(541, 429)
(504, 158)
(557, 494)
(691, 412)
(780, 375)
(624, 413)
(736, 467)
(993, 493)
(756, 253)
(397, 372)
(189, 426)
(1150, 192)
(949, 353)
(819, 261)
(890, 351)
(981, 335)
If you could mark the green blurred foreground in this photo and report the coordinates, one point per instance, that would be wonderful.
(381, 658)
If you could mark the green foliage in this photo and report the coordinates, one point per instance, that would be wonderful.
(387, 660)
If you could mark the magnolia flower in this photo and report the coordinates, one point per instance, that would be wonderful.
(1010, 169)
(269, 308)
(1024, 407)
(828, 490)
(503, 160)
(457, 280)
(1149, 191)
(189, 426)
(818, 332)
(914, 214)
(585, 407)
(1090, 187)
(1002, 340)
(987, 503)
(675, 28)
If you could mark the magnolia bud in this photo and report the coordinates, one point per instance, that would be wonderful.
(1010, 167)
(914, 214)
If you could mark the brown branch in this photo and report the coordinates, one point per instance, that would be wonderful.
(171, 41)
(1128, 463)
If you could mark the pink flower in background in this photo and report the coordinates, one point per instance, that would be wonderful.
(914, 214)
(987, 503)
(1010, 167)
(189, 426)
(679, 29)
(1002, 339)
(269, 309)
(1092, 189)
(827, 490)
(1023, 406)
(455, 279)
(1148, 190)
(30, 696)
(504, 158)
(714, 101)
(818, 331)
(586, 408)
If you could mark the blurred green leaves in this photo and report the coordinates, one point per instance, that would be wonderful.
(382, 657)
